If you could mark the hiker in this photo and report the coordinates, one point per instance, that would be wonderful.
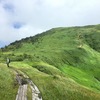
(8, 61)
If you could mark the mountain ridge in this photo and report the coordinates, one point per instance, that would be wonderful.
(59, 55)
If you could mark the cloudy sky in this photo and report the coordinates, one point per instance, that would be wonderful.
(23, 18)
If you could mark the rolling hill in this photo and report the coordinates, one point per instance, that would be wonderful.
(63, 62)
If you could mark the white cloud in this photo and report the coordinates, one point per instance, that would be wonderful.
(39, 15)
(28, 30)
(54, 3)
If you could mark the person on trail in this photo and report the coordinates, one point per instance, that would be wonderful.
(8, 61)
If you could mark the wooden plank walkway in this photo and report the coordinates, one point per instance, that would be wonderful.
(22, 91)
(36, 95)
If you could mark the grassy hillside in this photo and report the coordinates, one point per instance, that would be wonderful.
(53, 84)
(63, 62)
(8, 89)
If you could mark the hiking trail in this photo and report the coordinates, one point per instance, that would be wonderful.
(23, 81)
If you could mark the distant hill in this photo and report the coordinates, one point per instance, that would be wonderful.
(74, 51)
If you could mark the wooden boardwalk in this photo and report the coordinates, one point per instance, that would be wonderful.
(36, 95)
(22, 91)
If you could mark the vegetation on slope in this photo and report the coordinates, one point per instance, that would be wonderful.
(8, 87)
(66, 54)
(55, 86)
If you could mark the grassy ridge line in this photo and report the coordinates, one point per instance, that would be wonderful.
(60, 36)
(60, 47)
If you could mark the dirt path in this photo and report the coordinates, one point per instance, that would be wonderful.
(24, 81)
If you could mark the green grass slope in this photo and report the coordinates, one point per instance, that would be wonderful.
(8, 89)
(53, 84)
(63, 62)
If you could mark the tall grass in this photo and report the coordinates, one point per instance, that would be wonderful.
(8, 89)
(56, 86)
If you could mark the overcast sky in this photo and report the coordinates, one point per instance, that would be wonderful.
(23, 18)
